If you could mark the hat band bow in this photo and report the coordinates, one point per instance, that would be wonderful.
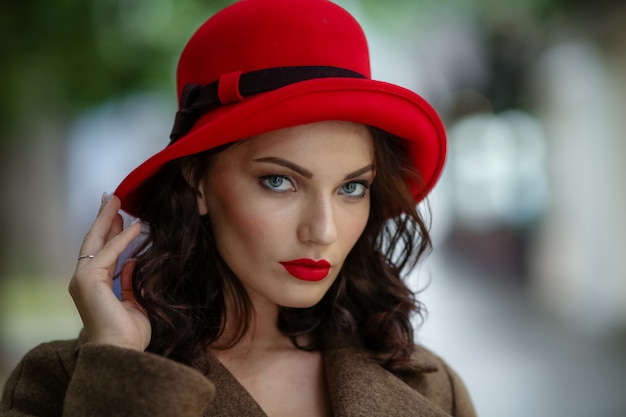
(197, 100)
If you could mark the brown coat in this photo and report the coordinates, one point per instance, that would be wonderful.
(74, 378)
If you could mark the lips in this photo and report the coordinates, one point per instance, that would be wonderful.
(307, 269)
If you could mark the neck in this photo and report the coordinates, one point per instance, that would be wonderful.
(262, 334)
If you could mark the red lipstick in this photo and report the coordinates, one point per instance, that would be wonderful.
(307, 269)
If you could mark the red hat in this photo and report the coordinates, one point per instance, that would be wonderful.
(262, 65)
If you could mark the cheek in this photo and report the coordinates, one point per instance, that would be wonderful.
(252, 215)
(352, 224)
(243, 227)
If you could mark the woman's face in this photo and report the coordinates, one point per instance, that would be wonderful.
(287, 207)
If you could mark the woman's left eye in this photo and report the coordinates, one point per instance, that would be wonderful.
(354, 189)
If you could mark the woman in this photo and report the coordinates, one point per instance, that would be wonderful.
(279, 222)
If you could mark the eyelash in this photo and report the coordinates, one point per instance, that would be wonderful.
(366, 187)
(264, 182)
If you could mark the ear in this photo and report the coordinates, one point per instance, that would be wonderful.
(198, 190)
(201, 198)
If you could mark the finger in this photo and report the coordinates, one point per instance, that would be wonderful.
(105, 260)
(111, 251)
(100, 230)
(105, 199)
(116, 227)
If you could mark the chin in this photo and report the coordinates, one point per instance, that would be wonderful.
(305, 302)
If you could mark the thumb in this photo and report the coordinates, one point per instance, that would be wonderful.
(126, 281)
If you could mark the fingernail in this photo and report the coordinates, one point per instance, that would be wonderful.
(106, 197)
(145, 229)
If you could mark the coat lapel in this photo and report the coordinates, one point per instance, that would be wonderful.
(359, 387)
(231, 398)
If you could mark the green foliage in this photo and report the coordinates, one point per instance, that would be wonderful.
(58, 57)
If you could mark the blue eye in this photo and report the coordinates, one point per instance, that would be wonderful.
(277, 183)
(354, 189)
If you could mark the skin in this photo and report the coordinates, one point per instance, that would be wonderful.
(106, 319)
(300, 192)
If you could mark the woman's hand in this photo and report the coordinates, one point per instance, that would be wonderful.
(107, 319)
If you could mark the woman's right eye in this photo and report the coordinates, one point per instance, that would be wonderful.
(277, 183)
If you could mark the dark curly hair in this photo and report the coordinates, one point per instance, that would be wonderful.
(183, 284)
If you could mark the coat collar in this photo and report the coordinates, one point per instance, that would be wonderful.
(231, 398)
(357, 386)
(360, 387)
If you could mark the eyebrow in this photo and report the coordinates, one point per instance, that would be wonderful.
(305, 172)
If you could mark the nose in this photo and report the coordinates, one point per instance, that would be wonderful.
(317, 224)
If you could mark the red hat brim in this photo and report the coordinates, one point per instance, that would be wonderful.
(389, 107)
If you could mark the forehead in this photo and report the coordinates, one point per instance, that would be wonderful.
(333, 140)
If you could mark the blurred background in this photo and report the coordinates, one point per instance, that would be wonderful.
(526, 287)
